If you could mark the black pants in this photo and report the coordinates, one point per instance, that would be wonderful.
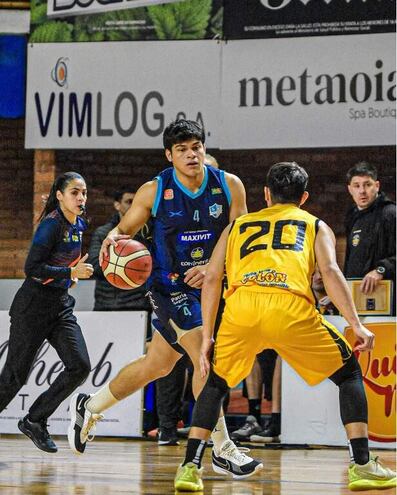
(38, 313)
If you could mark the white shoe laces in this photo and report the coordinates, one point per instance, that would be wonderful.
(89, 430)
(231, 451)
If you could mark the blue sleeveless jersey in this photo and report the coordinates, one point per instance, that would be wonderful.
(186, 225)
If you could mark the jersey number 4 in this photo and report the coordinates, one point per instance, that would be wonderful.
(264, 229)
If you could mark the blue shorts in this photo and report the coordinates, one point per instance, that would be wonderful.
(180, 309)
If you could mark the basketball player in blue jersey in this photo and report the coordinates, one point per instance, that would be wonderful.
(189, 205)
(43, 309)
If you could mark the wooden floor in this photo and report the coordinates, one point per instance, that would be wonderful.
(141, 467)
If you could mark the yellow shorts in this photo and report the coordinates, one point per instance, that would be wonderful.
(289, 324)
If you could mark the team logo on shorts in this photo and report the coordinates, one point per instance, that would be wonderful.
(197, 253)
(215, 210)
(356, 240)
(169, 194)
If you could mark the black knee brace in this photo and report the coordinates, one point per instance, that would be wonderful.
(352, 398)
(208, 405)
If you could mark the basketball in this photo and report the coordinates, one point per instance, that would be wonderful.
(127, 265)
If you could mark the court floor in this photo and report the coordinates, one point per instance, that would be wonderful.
(141, 467)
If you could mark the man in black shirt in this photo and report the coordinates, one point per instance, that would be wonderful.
(108, 297)
(370, 230)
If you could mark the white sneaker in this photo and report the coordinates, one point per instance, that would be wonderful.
(82, 423)
(230, 460)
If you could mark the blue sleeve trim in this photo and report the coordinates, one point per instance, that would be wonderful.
(158, 195)
(225, 186)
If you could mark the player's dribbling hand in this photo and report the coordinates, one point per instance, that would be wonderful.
(195, 276)
(205, 353)
(110, 240)
(366, 338)
(82, 269)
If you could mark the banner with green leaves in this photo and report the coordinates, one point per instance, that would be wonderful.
(181, 20)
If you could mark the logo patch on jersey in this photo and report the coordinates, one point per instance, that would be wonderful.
(197, 253)
(173, 277)
(169, 194)
(215, 210)
(216, 190)
(356, 240)
(66, 237)
(268, 277)
(176, 214)
(195, 236)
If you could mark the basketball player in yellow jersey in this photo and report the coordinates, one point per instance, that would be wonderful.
(270, 258)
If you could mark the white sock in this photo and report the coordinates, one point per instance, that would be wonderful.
(220, 434)
(101, 400)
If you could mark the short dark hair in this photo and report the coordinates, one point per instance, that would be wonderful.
(362, 169)
(287, 182)
(118, 195)
(182, 130)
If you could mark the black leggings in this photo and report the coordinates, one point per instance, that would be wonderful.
(38, 313)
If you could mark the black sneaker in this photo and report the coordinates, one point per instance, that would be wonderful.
(38, 433)
(82, 422)
(168, 436)
(230, 460)
(269, 435)
(250, 427)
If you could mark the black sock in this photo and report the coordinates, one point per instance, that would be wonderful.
(276, 422)
(359, 452)
(254, 408)
(194, 451)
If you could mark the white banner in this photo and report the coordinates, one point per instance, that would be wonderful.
(113, 340)
(284, 93)
(119, 95)
(59, 8)
(309, 92)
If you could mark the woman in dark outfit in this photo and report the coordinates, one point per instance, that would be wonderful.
(43, 309)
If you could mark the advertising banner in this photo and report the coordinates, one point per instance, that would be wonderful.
(309, 92)
(311, 415)
(125, 20)
(113, 340)
(379, 374)
(284, 18)
(119, 95)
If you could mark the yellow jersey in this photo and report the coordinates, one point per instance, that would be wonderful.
(272, 250)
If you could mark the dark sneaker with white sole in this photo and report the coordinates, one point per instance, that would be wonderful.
(168, 436)
(230, 460)
(250, 427)
(82, 423)
(38, 433)
(269, 435)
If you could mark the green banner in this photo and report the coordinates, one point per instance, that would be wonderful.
(182, 20)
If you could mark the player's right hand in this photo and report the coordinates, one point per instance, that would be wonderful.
(82, 269)
(111, 239)
(365, 337)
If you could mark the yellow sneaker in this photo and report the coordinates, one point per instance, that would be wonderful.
(371, 476)
(188, 478)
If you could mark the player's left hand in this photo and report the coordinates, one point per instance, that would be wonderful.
(195, 276)
(205, 353)
(370, 282)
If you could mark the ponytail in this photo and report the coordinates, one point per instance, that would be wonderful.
(60, 184)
